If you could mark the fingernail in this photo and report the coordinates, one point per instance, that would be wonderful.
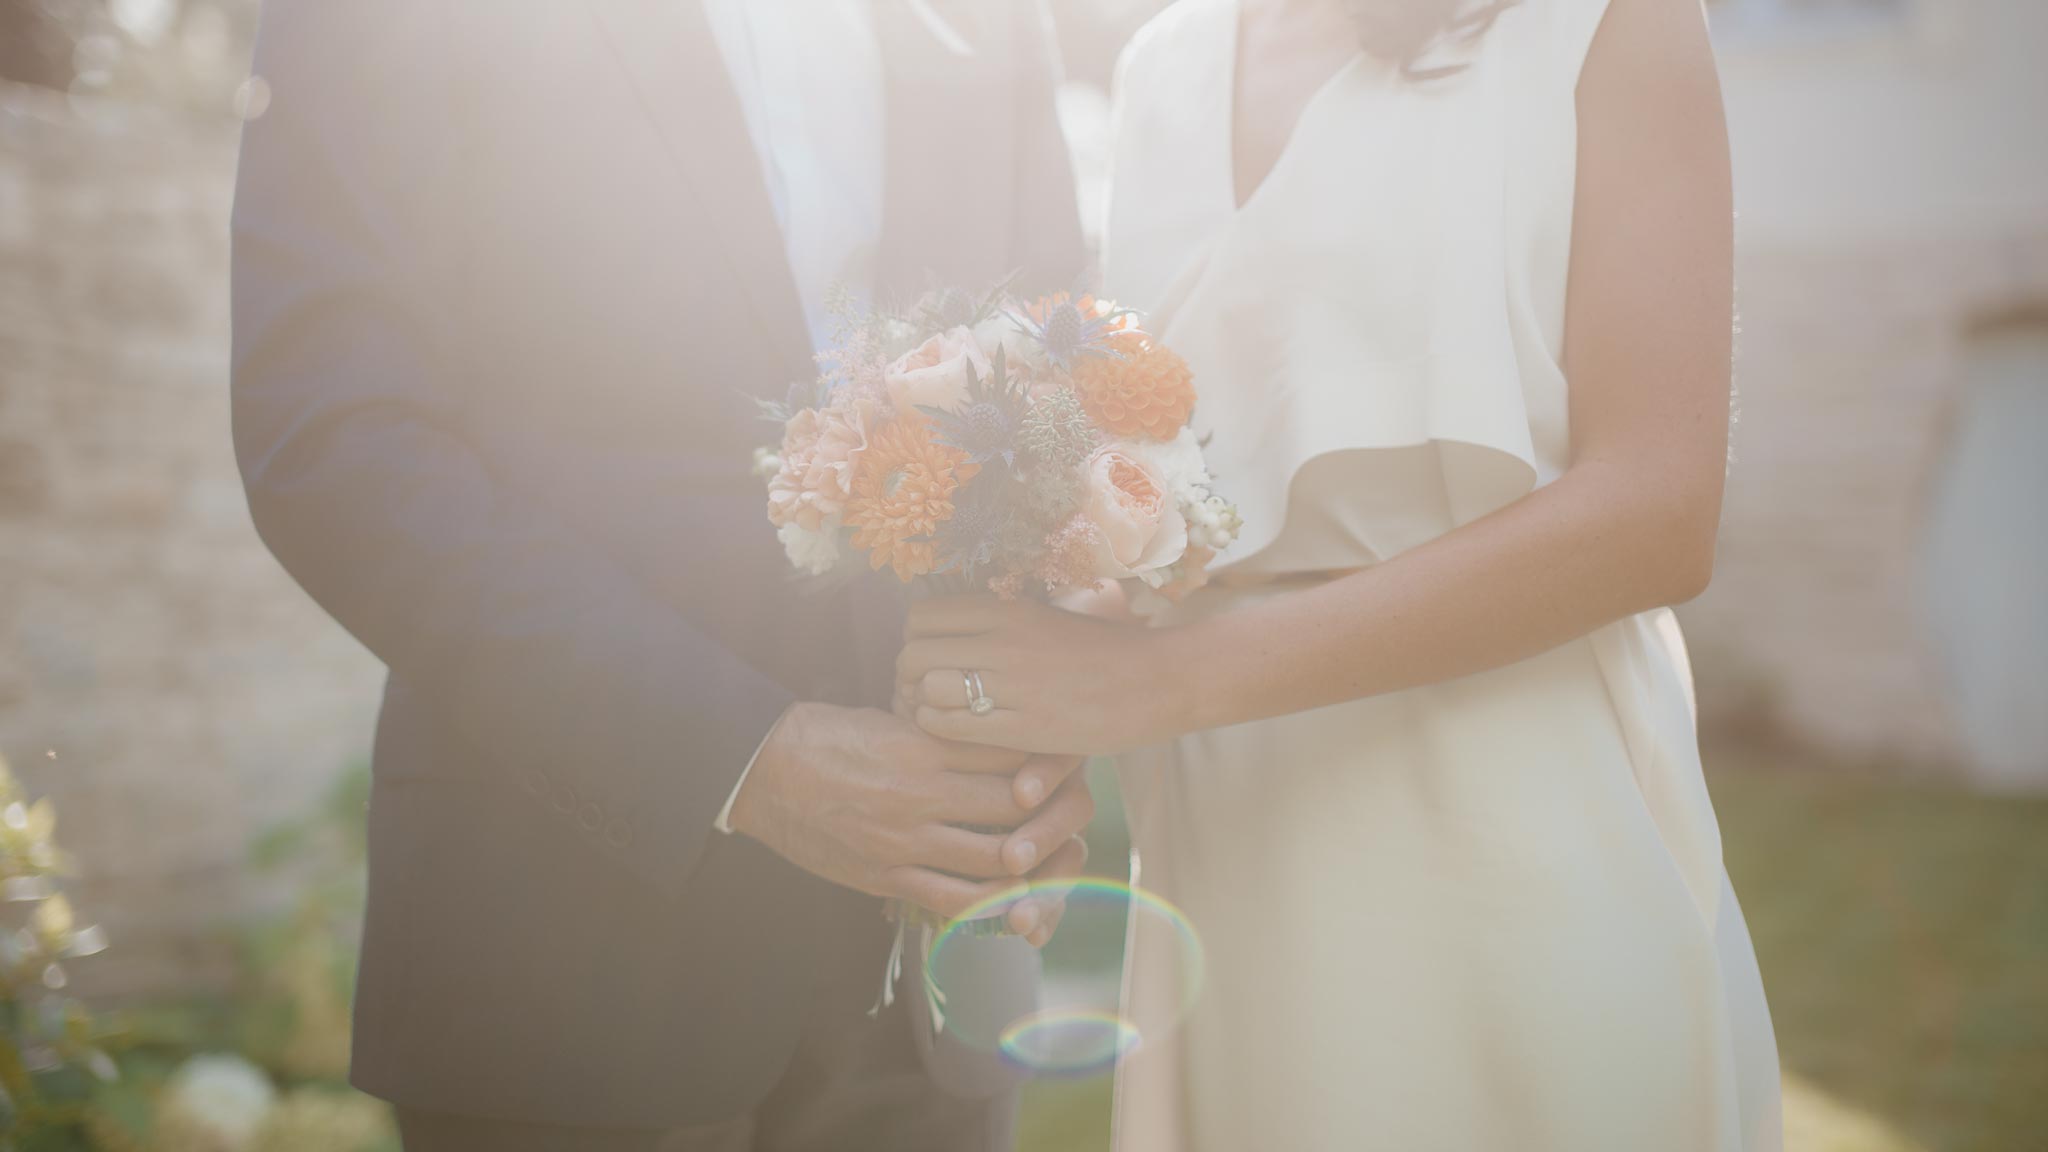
(1031, 790)
(1023, 856)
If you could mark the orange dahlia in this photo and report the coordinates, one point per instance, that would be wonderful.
(902, 491)
(1144, 392)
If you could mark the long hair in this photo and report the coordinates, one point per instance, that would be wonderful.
(1417, 34)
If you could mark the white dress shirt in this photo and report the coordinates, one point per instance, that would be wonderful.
(809, 78)
(808, 74)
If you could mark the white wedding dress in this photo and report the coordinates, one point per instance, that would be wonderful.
(1483, 915)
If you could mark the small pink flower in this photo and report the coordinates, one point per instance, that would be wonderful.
(819, 449)
(1069, 559)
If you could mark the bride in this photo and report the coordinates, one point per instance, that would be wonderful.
(1420, 765)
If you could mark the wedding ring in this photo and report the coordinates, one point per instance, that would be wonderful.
(978, 700)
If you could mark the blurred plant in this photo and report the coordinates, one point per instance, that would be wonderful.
(302, 966)
(51, 1054)
(263, 1071)
(320, 1120)
(215, 1103)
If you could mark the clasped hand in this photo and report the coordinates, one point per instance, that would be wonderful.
(1060, 682)
(866, 800)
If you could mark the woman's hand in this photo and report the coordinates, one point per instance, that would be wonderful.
(1061, 682)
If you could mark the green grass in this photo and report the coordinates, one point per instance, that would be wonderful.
(1903, 935)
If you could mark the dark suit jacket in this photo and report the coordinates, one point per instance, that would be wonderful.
(504, 277)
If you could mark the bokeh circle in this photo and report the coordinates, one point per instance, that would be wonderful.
(1079, 1026)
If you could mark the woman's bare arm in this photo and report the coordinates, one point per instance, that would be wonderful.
(1630, 525)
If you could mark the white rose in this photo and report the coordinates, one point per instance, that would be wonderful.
(1000, 332)
(223, 1099)
(812, 551)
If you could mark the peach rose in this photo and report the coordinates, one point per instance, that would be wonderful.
(934, 374)
(1130, 504)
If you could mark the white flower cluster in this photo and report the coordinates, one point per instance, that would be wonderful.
(1213, 523)
(809, 551)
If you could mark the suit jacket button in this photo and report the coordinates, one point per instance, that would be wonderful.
(591, 817)
(565, 799)
(619, 835)
(535, 781)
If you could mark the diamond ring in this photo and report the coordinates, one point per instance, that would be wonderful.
(978, 700)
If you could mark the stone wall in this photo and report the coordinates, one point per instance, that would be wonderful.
(1894, 198)
(1848, 372)
(160, 676)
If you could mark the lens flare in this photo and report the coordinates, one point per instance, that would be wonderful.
(1079, 1026)
(1072, 1043)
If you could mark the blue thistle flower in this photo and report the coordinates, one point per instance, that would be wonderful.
(1070, 335)
(986, 426)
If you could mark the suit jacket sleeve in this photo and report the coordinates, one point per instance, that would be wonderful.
(548, 661)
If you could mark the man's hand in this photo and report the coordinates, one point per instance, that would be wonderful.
(866, 800)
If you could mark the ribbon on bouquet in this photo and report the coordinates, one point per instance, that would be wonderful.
(935, 997)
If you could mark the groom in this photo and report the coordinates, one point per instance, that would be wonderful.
(507, 280)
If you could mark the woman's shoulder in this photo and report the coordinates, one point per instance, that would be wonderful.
(1562, 30)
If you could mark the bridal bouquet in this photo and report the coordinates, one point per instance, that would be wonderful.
(990, 444)
(986, 444)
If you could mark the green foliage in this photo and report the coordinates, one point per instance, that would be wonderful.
(300, 967)
(76, 1083)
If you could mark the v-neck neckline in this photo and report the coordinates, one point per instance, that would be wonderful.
(1240, 200)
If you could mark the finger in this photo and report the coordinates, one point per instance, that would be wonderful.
(946, 688)
(1061, 819)
(1002, 727)
(1024, 918)
(965, 798)
(954, 616)
(1048, 925)
(961, 852)
(1068, 867)
(949, 688)
(949, 896)
(983, 759)
(1041, 776)
(1036, 918)
(951, 654)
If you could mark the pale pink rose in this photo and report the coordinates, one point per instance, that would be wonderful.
(934, 374)
(1130, 504)
(819, 448)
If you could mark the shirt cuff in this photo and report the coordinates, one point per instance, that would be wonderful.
(724, 821)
